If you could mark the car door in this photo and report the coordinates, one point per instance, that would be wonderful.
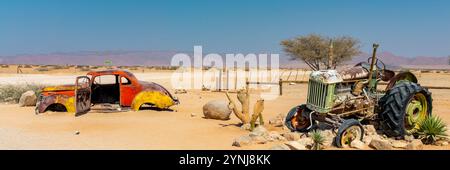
(82, 95)
(127, 91)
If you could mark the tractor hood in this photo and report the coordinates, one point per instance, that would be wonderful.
(326, 76)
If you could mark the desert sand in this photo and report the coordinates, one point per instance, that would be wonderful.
(20, 128)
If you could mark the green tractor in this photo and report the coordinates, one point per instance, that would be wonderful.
(343, 99)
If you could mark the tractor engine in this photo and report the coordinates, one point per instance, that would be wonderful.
(342, 92)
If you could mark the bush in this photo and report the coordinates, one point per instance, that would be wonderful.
(318, 139)
(12, 93)
(432, 129)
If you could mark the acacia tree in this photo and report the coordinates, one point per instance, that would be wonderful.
(315, 50)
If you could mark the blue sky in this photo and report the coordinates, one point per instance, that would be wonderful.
(404, 27)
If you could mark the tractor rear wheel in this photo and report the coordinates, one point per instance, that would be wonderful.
(298, 119)
(403, 107)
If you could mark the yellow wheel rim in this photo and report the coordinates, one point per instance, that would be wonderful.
(416, 112)
(350, 134)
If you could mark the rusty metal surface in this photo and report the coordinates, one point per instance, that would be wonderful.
(133, 94)
(353, 73)
(326, 76)
(401, 76)
(45, 101)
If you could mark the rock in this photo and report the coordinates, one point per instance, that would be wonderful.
(329, 137)
(28, 99)
(259, 139)
(399, 144)
(217, 109)
(370, 130)
(280, 147)
(416, 144)
(294, 145)
(291, 136)
(409, 138)
(246, 126)
(277, 121)
(77, 132)
(180, 91)
(305, 141)
(193, 114)
(260, 131)
(441, 143)
(275, 136)
(367, 140)
(242, 141)
(379, 144)
(357, 144)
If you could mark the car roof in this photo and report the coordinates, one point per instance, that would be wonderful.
(109, 71)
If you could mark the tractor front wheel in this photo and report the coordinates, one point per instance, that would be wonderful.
(403, 107)
(350, 130)
(298, 119)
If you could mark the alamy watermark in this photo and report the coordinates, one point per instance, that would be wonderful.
(231, 71)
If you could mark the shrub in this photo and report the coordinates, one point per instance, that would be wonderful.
(431, 129)
(12, 93)
(318, 139)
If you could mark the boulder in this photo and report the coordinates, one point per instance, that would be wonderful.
(409, 138)
(357, 144)
(367, 139)
(28, 99)
(291, 136)
(416, 144)
(242, 141)
(294, 145)
(370, 130)
(329, 137)
(306, 141)
(260, 131)
(275, 136)
(259, 139)
(399, 144)
(441, 143)
(217, 109)
(280, 147)
(379, 144)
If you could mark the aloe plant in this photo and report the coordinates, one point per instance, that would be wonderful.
(318, 139)
(432, 129)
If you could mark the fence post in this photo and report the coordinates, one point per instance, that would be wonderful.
(281, 86)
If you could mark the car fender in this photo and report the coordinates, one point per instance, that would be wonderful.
(45, 101)
(156, 98)
(403, 76)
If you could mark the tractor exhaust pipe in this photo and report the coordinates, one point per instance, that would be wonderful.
(372, 64)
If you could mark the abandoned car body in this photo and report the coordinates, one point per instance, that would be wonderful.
(100, 87)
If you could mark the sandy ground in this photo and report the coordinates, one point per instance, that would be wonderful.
(20, 128)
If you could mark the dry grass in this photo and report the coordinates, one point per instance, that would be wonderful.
(12, 93)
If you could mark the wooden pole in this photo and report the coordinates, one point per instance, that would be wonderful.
(281, 86)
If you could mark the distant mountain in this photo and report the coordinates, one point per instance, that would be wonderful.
(121, 58)
(163, 58)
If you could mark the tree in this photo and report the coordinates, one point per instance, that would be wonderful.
(318, 51)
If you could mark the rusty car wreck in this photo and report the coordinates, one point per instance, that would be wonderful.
(104, 87)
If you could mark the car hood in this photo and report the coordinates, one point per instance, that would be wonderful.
(68, 87)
